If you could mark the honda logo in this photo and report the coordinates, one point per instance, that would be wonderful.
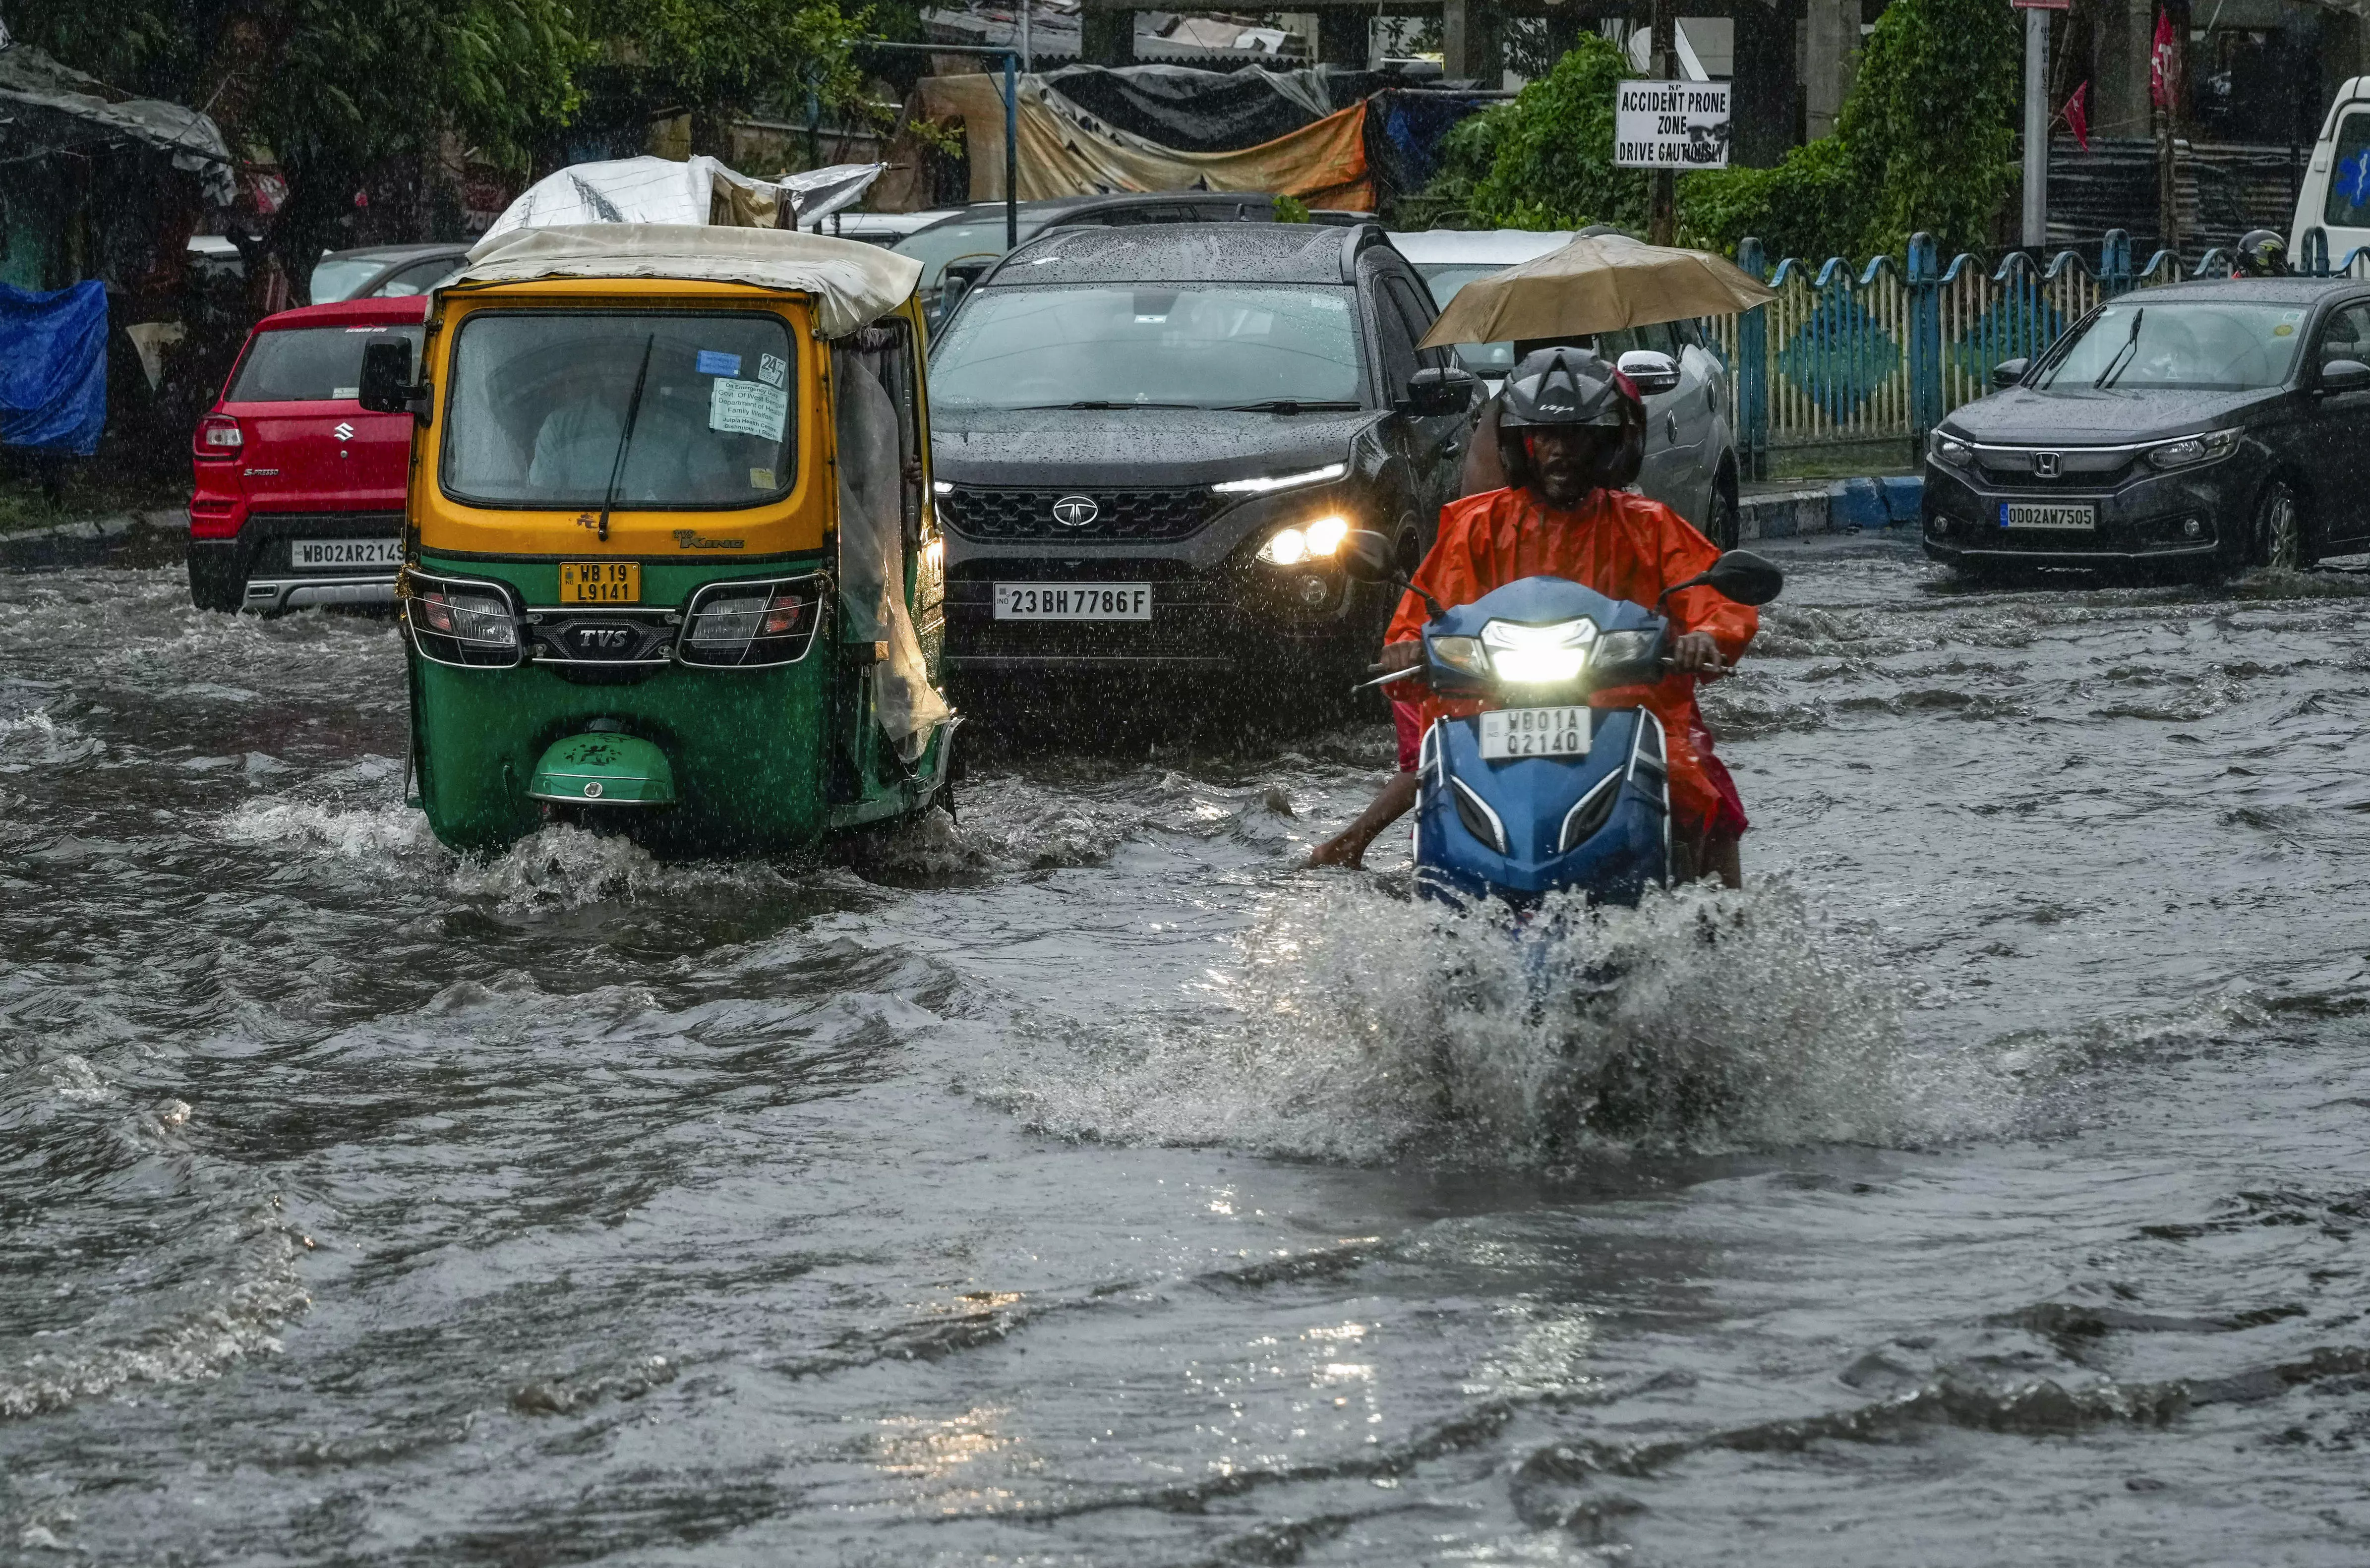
(1075, 511)
(2045, 463)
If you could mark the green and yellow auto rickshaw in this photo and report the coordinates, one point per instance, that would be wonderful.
(670, 564)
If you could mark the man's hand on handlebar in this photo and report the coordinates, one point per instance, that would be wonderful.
(1694, 652)
(1398, 655)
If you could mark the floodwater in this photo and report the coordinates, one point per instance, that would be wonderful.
(1086, 1185)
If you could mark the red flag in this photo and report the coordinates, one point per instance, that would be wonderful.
(2160, 64)
(2077, 116)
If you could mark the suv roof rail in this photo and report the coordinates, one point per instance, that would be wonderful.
(1361, 238)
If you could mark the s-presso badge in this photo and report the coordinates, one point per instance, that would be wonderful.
(1075, 511)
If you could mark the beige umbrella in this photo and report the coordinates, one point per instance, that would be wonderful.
(1595, 284)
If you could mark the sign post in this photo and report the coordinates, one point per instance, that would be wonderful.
(1671, 125)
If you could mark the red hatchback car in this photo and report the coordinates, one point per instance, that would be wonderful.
(299, 495)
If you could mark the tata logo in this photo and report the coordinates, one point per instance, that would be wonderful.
(2047, 465)
(344, 432)
(1075, 511)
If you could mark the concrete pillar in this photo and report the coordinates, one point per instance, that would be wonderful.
(1345, 38)
(1762, 100)
(1829, 34)
(1107, 38)
(1471, 45)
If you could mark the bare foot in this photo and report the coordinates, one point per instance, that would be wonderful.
(1346, 850)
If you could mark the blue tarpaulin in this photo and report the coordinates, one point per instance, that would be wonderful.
(53, 367)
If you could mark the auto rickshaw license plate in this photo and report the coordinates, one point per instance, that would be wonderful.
(1508, 733)
(600, 582)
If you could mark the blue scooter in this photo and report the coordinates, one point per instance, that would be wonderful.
(1540, 792)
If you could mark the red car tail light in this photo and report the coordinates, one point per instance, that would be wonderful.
(218, 435)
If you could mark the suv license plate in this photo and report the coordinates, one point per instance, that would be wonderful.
(1074, 602)
(335, 554)
(600, 582)
(2029, 514)
(1508, 733)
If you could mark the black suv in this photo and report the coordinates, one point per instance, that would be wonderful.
(1148, 442)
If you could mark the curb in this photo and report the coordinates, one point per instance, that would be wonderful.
(1840, 505)
(85, 542)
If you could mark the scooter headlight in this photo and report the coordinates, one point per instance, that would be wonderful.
(1538, 656)
(1618, 649)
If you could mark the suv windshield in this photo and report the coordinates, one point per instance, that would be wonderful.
(539, 399)
(310, 364)
(2180, 344)
(1197, 345)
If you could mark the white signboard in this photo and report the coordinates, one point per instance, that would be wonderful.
(1670, 125)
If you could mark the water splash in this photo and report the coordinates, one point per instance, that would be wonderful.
(1360, 1028)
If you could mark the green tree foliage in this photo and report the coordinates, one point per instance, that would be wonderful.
(1545, 160)
(1928, 141)
(1931, 121)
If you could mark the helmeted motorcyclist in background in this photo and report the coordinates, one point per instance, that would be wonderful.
(2262, 253)
(1570, 433)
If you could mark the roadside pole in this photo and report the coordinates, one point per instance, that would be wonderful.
(1663, 210)
(2036, 126)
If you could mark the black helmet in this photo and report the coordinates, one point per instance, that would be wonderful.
(1564, 386)
(2262, 254)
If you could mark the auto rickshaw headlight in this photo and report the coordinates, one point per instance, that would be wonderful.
(455, 623)
(748, 623)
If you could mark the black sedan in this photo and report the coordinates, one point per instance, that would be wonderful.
(2216, 425)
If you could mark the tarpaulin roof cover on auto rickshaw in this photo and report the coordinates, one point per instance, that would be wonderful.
(597, 395)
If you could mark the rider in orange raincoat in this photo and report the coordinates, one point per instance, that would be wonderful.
(1571, 434)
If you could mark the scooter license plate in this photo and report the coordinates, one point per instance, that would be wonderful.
(1508, 733)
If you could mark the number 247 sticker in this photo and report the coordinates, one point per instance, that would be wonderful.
(773, 369)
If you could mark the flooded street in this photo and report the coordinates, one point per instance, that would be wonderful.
(1085, 1184)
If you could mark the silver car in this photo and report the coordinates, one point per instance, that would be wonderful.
(1691, 463)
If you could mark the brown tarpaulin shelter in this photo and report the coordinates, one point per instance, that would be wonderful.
(1066, 152)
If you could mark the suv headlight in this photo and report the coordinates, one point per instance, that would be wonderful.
(1290, 546)
(462, 622)
(1271, 482)
(2191, 450)
(1950, 450)
(1538, 656)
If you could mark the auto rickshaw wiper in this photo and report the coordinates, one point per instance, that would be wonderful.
(1092, 403)
(2130, 346)
(633, 412)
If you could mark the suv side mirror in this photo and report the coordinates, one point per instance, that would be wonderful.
(386, 375)
(2345, 375)
(1366, 556)
(2008, 373)
(1441, 390)
(1650, 371)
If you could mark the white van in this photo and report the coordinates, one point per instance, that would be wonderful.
(2335, 198)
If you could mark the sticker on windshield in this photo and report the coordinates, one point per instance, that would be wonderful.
(345, 391)
(715, 361)
(747, 408)
(761, 479)
(773, 369)
(2285, 330)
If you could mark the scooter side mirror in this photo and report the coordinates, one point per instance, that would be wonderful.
(1366, 556)
(1739, 575)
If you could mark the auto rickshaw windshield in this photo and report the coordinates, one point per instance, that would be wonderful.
(542, 402)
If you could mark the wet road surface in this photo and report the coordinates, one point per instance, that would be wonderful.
(1085, 1184)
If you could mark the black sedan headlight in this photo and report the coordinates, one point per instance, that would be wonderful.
(2191, 450)
(1950, 450)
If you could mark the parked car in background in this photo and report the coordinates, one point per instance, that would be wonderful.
(971, 240)
(1690, 463)
(2210, 425)
(1149, 445)
(299, 493)
(881, 228)
(386, 272)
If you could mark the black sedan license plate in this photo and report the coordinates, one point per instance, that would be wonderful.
(2051, 514)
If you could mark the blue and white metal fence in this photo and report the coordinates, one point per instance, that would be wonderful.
(1843, 356)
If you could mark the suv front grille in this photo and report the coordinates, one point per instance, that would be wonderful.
(1130, 515)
